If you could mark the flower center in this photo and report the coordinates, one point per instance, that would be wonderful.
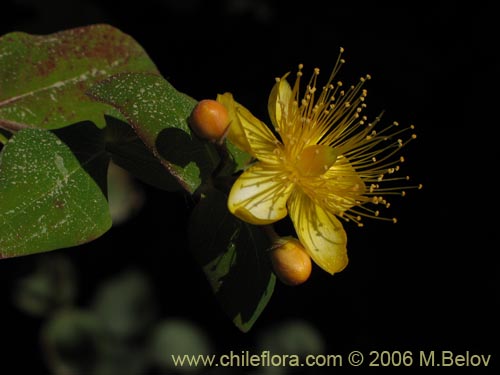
(315, 160)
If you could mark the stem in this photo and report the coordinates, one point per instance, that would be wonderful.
(224, 158)
(271, 233)
(12, 126)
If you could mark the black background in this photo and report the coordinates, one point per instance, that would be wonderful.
(428, 283)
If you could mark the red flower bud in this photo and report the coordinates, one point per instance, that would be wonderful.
(209, 120)
(291, 263)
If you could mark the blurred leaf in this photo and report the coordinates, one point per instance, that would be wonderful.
(179, 337)
(47, 200)
(232, 254)
(122, 358)
(125, 305)
(158, 113)
(50, 287)
(43, 79)
(71, 340)
(293, 336)
(124, 196)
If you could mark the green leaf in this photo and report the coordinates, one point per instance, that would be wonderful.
(88, 144)
(43, 79)
(47, 200)
(94, 147)
(241, 158)
(158, 113)
(232, 254)
(128, 151)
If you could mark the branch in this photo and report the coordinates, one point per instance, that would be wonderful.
(13, 126)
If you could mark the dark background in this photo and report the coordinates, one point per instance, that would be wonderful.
(428, 283)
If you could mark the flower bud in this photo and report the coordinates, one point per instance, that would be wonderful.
(209, 120)
(291, 263)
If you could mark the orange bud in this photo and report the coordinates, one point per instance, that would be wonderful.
(209, 120)
(291, 264)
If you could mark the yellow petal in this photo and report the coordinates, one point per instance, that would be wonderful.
(259, 195)
(261, 139)
(279, 102)
(320, 232)
(344, 184)
(247, 132)
(236, 134)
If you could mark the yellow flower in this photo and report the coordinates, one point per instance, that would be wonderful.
(324, 161)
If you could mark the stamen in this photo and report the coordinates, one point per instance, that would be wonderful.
(318, 121)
